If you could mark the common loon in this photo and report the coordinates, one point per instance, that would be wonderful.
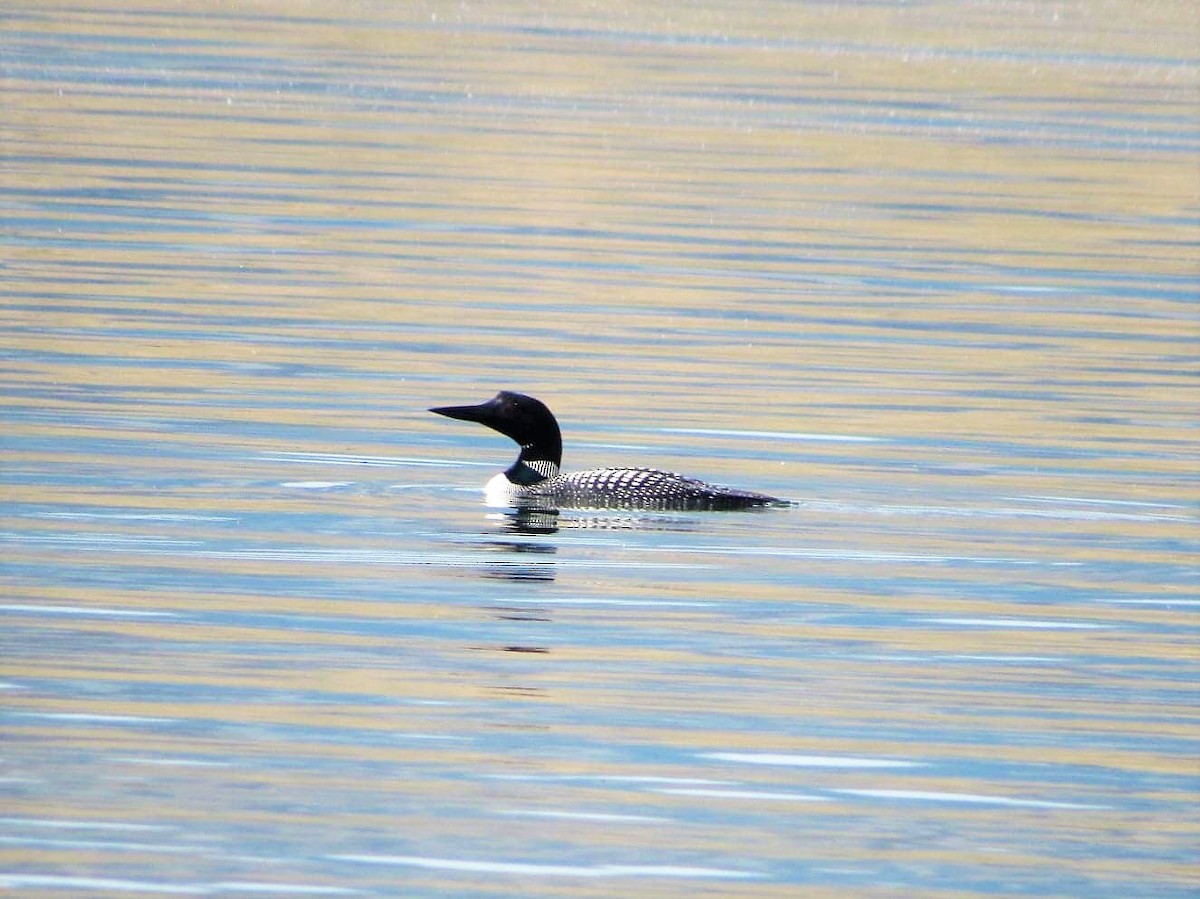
(533, 481)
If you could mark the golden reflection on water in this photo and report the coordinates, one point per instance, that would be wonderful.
(925, 269)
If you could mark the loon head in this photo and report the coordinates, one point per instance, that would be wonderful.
(528, 422)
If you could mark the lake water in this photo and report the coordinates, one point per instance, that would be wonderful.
(930, 270)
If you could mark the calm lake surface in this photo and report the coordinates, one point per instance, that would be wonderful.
(928, 269)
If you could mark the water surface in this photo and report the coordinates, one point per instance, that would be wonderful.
(930, 271)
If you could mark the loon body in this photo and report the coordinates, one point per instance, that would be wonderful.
(534, 481)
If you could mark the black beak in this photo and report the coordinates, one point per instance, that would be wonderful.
(480, 413)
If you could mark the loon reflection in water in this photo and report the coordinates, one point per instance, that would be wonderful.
(533, 481)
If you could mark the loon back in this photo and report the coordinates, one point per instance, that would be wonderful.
(533, 480)
(642, 488)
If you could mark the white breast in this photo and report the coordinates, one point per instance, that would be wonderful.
(499, 492)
